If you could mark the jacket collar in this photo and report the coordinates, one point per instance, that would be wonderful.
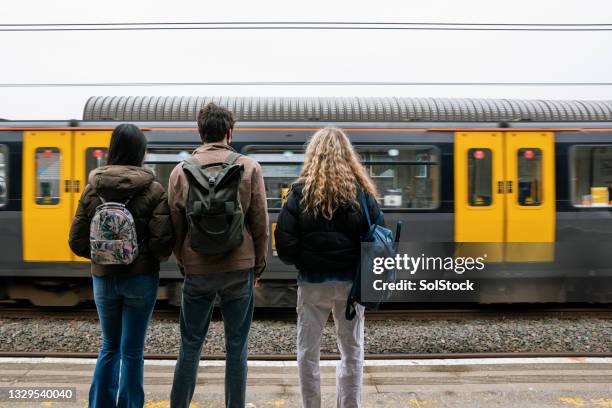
(206, 147)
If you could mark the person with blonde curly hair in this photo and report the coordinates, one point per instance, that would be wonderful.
(319, 231)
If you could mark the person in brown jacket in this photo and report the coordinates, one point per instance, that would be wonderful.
(125, 295)
(230, 275)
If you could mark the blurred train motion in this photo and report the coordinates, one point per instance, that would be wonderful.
(453, 170)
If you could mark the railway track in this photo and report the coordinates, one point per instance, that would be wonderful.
(289, 314)
(526, 332)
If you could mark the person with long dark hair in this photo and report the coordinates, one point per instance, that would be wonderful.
(124, 294)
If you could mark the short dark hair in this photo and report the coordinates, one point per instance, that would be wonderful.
(214, 122)
(128, 146)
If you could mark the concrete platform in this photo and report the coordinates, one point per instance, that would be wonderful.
(516, 383)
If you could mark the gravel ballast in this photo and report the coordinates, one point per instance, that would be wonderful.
(593, 335)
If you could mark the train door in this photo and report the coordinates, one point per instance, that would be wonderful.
(479, 200)
(56, 165)
(90, 151)
(479, 175)
(47, 195)
(504, 191)
(530, 196)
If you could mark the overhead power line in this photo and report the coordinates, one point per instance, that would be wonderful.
(294, 83)
(306, 25)
(306, 22)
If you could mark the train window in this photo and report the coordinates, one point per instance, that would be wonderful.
(280, 168)
(480, 177)
(529, 188)
(3, 175)
(94, 157)
(591, 175)
(406, 176)
(163, 161)
(48, 161)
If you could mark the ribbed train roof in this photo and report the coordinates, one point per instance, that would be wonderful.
(347, 109)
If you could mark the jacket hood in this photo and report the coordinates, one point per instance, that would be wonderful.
(120, 182)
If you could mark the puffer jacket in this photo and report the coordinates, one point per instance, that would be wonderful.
(322, 250)
(148, 205)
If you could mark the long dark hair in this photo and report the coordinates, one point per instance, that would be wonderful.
(128, 146)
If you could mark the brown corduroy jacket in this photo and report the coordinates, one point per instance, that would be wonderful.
(253, 250)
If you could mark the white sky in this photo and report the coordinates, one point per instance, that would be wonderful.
(299, 55)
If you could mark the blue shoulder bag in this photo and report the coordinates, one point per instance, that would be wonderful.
(381, 244)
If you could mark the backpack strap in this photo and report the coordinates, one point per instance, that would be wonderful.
(192, 168)
(364, 207)
(366, 210)
(125, 203)
(193, 161)
(380, 217)
(231, 159)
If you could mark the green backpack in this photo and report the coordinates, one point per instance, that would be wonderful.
(214, 212)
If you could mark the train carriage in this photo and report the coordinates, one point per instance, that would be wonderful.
(453, 170)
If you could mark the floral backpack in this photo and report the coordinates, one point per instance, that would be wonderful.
(112, 235)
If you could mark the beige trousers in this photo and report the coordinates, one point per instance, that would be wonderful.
(315, 302)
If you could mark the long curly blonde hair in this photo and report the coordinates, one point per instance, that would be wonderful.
(331, 173)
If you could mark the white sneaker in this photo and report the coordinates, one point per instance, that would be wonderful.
(250, 405)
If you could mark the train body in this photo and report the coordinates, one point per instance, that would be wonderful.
(489, 181)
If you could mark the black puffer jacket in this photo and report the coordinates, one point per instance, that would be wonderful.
(322, 250)
(148, 205)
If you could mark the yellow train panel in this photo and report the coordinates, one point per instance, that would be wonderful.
(530, 196)
(47, 196)
(505, 193)
(90, 147)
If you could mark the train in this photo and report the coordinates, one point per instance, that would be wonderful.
(452, 170)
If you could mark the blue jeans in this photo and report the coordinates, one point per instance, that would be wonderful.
(235, 290)
(124, 304)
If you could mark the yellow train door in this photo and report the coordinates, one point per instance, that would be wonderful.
(530, 196)
(505, 191)
(90, 151)
(47, 195)
(479, 175)
(55, 169)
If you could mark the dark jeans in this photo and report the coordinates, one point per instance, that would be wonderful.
(124, 304)
(235, 290)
